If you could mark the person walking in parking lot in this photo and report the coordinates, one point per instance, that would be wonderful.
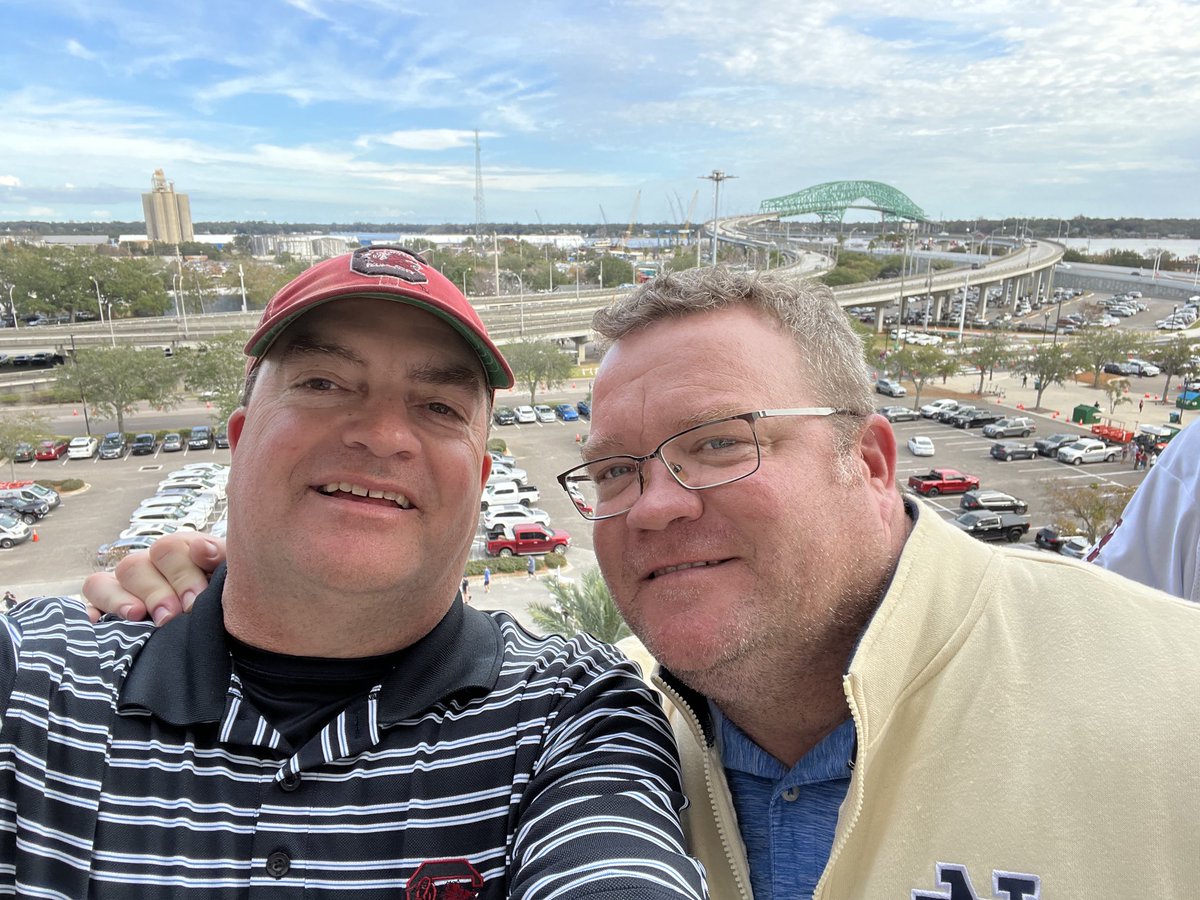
(487, 580)
(868, 702)
(344, 726)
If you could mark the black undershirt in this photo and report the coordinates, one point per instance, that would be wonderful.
(298, 695)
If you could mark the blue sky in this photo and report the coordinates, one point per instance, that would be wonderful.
(364, 110)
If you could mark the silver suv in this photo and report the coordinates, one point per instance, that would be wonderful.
(1017, 426)
(890, 388)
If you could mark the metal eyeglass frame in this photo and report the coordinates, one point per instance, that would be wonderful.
(749, 417)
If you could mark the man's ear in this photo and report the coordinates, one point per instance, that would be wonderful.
(487, 468)
(237, 421)
(877, 447)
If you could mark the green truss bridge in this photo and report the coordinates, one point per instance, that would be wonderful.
(831, 200)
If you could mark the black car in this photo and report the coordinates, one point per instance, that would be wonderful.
(23, 452)
(223, 439)
(975, 419)
(201, 438)
(29, 511)
(948, 415)
(1006, 450)
(1048, 446)
(1121, 368)
(143, 444)
(584, 408)
(503, 415)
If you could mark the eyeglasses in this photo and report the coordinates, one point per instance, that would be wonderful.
(704, 456)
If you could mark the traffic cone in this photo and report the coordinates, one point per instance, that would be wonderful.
(35, 538)
(578, 439)
(74, 412)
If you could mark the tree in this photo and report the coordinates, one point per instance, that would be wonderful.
(217, 366)
(1087, 509)
(25, 426)
(538, 362)
(921, 362)
(1048, 364)
(1117, 392)
(1174, 357)
(989, 353)
(262, 280)
(113, 379)
(584, 607)
(609, 271)
(1095, 346)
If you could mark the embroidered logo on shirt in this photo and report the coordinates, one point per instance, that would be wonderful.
(1005, 885)
(444, 879)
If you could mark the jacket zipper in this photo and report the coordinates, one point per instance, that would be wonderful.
(722, 832)
(856, 790)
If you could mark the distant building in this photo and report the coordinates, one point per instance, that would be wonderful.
(168, 214)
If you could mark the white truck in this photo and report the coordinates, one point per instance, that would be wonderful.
(509, 492)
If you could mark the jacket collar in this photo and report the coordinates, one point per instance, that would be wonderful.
(936, 594)
(183, 672)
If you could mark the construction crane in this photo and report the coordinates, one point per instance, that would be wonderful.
(604, 242)
(637, 198)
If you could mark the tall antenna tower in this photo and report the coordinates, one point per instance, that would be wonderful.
(480, 216)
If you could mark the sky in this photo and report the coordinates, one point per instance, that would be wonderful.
(366, 110)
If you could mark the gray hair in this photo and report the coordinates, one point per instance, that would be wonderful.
(829, 349)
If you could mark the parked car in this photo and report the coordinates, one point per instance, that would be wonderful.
(150, 529)
(890, 388)
(1008, 450)
(584, 408)
(1087, 450)
(31, 490)
(977, 418)
(1145, 368)
(495, 519)
(502, 458)
(184, 518)
(996, 501)
(28, 511)
(52, 448)
(1048, 446)
(23, 452)
(504, 415)
(947, 415)
(898, 413)
(83, 447)
(222, 438)
(920, 445)
(544, 413)
(930, 410)
(986, 525)
(143, 444)
(172, 443)
(1012, 426)
(113, 446)
(526, 415)
(566, 412)
(507, 472)
(12, 530)
(1120, 368)
(201, 438)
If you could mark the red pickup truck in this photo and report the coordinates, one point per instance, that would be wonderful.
(529, 539)
(942, 481)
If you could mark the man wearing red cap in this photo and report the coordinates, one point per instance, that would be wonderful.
(343, 724)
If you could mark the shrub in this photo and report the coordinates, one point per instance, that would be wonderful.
(10, 399)
(64, 486)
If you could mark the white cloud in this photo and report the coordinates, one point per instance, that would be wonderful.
(425, 139)
(9, 181)
(77, 49)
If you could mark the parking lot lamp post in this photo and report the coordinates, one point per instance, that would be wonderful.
(100, 303)
(1045, 324)
(12, 305)
(242, 282)
(521, 287)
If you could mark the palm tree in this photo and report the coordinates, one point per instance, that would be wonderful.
(586, 606)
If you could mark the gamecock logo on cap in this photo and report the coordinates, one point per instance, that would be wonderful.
(394, 261)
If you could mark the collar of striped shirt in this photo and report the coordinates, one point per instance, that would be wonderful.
(182, 675)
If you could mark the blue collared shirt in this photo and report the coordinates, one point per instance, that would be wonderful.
(787, 818)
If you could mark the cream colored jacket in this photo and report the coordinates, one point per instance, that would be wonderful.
(1028, 726)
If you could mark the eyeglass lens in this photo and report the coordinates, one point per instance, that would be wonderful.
(705, 456)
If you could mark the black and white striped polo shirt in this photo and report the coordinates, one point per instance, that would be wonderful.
(490, 763)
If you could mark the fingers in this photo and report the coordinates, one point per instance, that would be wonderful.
(161, 582)
(102, 593)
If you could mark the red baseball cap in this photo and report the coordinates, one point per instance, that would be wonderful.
(387, 272)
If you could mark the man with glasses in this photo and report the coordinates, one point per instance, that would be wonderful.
(868, 703)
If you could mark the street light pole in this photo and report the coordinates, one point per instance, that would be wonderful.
(12, 305)
(100, 303)
(521, 286)
(242, 282)
(716, 177)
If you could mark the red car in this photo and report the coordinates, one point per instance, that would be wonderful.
(51, 449)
